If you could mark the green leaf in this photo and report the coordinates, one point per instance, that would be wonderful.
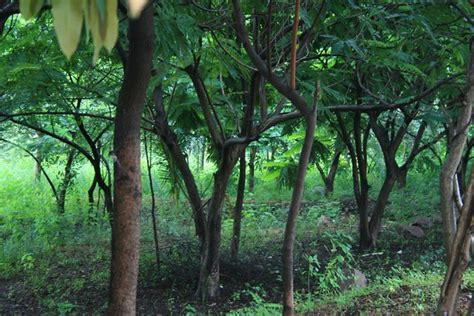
(30, 8)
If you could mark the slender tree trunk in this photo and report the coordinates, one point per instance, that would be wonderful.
(208, 285)
(253, 154)
(127, 188)
(90, 197)
(329, 179)
(402, 178)
(108, 202)
(153, 204)
(365, 238)
(375, 224)
(460, 255)
(290, 230)
(239, 202)
(68, 175)
(38, 160)
(203, 154)
(458, 136)
(170, 140)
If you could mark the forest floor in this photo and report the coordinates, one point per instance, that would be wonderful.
(403, 273)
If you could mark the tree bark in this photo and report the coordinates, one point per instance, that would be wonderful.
(402, 178)
(90, 197)
(239, 202)
(68, 175)
(375, 225)
(127, 177)
(331, 176)
(153, 204)
(458, 136)
(208, 285)
(460, 255)
(170, 140)
(290, 230)
(253, 154)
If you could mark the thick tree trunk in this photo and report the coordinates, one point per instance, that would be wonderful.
(68, 175)
(460, 255)
(127, 177)
(239, 202)
(253, 154)
(458, 136)
(290, 230)
(208, 285)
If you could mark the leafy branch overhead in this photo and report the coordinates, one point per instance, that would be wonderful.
(99, 17)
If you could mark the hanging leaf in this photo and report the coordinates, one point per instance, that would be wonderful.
(68, 18)
(112, 24)
(85, 9)
(94, 26)
(101, 8)
(29, 8)
(135, 7)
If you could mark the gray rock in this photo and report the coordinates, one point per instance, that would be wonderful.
(413, 231)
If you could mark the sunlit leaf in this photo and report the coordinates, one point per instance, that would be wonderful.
(68, 16)
(135, 7)
(112, 24)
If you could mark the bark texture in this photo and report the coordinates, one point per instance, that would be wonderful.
(290, 230)
(208, 285)
(170, 140)
(67, 179)
(458, 136)
(459, 259)
(239, 203)
(127, 188)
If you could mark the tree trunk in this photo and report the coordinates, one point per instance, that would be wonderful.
(239, 202)
(38, 161)
(290, 230)
(153, 204)
(127, 177)
(68, 175)
(460, 256)
(90, 197)
(170, 140)
(375, 225)
(458, 136)
(329, 179)
(253, 154)
(402, 178)
(208, 285)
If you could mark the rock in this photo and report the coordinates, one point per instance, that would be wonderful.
(360, 279)
(354, 278)
(424, 222)
(323, 222)
(414, 231)
(349, 205)
(319, 191)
